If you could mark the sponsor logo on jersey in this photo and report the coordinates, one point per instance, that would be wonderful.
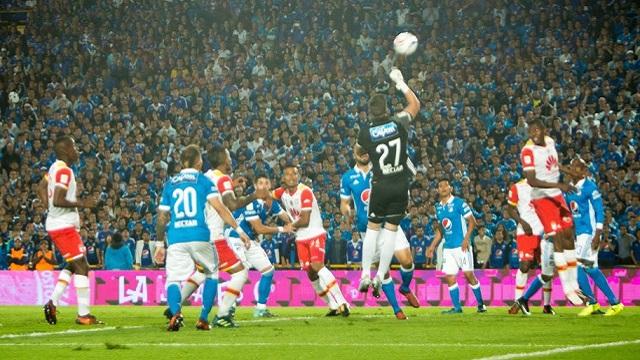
(574, 207)
(551, 163)
(447, 224)
(365, 195)
(383, 131)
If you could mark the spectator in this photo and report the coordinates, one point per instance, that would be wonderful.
(43, 259)
(607, 257)
(626, 240)
(635, 249)
(144, 252)
(354, 252)
(95, 254)
(118, 256)
(271, 248)
(483, 248)
(499, 252)
(419, 244)
(5, 250)
(18, 257)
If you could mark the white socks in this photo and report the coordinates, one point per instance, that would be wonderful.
(191, 285)
(521, 283)
(317, 286)
(234, 286)
(565, 277)
(330, 286)
(82, 290)
(386, 252)
(63, 281)
(572, 267)
(368, 251)
(546, 292)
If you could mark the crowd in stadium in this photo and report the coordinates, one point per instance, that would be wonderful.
(277, 81)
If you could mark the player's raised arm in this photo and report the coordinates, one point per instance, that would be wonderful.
(233, 203)
(413, 104)
(345, 194)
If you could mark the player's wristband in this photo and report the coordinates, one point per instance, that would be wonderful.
(160, 244)
(280, 229)
(402, 86)
(599, 226)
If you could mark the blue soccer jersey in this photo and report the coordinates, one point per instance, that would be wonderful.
(356, 185)
(452, 217)
(419, 245)
(499, 255)
(185, 197)
(271, 248)
(354, 252)
(586, 206)
(256, 210)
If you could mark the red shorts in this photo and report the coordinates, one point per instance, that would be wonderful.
(527, 245)
(554, 214)
(311, 250)
(68, 242)
(227, 258)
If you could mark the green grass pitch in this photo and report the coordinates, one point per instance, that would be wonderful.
(132, 332)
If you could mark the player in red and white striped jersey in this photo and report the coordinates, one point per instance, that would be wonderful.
(301, 205)
(62, 224)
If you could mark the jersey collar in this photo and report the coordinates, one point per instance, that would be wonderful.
(580, 183)
(360, 171)
(61, 162)
(449, 201)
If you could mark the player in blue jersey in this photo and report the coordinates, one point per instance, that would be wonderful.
(356, 187)
(182, 208)
(456, 224)
(588, 216)
(253, 219)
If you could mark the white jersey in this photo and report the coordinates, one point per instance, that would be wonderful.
(520, 197)
(544, 160)
(224, 184)
(302, 200)
(60, 175)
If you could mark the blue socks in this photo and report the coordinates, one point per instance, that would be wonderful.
(390, 292)
(585, 287)
(407, 276)
(602, 284)
(454, 292)
(208, 297)
(264, 287)
(477, 293)
(174, 299)
(535, 285)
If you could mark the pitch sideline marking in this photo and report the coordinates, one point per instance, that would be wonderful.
(560, 350)
(265, 344)
(65, 332)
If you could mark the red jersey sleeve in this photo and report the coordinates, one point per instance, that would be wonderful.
(513, 195)
(306, 199)
(526, 157)
(63, 177)
(225, 185)
(277, 193)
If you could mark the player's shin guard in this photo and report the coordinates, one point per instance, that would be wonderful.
(477, 293)
(535, 285)
(565, 278)
(317, 286)
(234, 286)
(521, 283)
(390, 292)
(192, 284)
(454, 292)
(264, 288)
(331, 287)
(602, 284)
(407, 276)
(572, 267)
(546, 294)
(84, 295)
(173, 297)
(368, 251)
(208, 298)
(63, 281)
(386, 252)
(585, 286)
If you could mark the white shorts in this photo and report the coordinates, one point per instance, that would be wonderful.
(546, 257)
(583, 249)
(455, 259)
(401, 244)
(253, 257)
(183, 257)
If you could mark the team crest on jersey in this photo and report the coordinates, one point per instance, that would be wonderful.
(552, 163)
(447, 224)
(365, 195)
(574, 206)
(383, 131)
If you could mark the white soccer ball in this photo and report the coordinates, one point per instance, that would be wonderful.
(405, 43)
(14, 97)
